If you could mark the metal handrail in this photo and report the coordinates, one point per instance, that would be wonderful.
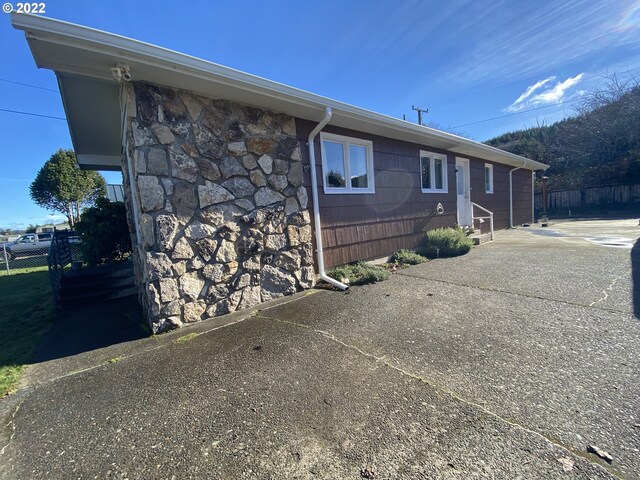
(473, 204)
(59, 257)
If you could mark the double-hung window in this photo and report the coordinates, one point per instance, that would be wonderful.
(488, 178)
(433, 172)
(347, 164)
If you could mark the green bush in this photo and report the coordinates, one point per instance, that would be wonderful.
(446, 242)
(359, 273)
(105, 233)
(407, 257)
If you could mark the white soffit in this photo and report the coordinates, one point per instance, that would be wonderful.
(93, 113)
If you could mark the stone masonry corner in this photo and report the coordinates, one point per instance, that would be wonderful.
(221, 208)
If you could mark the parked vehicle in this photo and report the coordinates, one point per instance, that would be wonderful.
(28, 245)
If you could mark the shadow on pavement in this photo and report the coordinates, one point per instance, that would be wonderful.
(635, 269)
(83, 328)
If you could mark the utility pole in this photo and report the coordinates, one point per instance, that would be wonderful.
(544, 221)
(420, 112)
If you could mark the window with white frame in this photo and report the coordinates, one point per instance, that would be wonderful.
(488, 178)
(433, 172)
(347, 164)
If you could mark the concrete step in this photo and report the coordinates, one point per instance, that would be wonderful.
(125, 292)
(95, 284)
(479, 239)
(79, 298)
(85, 276)
(98, 284)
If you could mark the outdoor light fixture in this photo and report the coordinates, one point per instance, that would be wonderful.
(121, 72)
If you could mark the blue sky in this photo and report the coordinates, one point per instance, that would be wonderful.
(467, 61)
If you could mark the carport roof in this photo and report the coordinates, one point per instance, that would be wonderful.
(83, 58)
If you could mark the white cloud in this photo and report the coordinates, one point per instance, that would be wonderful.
(527, 93)
(556, 94)
(53, 218)
(550, 95)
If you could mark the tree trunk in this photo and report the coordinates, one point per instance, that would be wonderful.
(69, 213)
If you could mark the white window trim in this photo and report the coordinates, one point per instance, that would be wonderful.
(432, 168)
(491, 189)
(346, 141)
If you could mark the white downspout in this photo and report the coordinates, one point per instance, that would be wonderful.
(511, 192)
(316, 206)
(124, 102)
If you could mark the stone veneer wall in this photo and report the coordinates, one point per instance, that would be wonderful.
(222, 210)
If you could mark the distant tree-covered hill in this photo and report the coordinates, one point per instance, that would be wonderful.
(600, 145)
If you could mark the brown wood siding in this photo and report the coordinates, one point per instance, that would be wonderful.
(366, 226)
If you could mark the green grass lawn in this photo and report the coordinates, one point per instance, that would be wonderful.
(23, 264)
(27, 312)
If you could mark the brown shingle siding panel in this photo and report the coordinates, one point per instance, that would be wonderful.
(335, 216)
(384, 178)
(396, 163)
(382, 230)
(395, 179)
(387, 198)
(378, 248)
(329, 236)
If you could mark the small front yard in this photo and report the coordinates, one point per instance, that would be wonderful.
(26, 314)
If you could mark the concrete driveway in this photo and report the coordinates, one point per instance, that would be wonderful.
(505, 363)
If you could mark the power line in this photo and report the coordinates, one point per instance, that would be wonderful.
(32, 114)
(516, 113)
(28, 85)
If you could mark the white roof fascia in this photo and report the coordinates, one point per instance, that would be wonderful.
(183, 69)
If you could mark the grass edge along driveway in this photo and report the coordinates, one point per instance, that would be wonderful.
(27, 310)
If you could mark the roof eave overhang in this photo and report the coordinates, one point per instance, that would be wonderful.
(80, 51)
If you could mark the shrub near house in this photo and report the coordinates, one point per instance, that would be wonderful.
(407, 257)
(105, 233)
(446, 242)
(359, 273)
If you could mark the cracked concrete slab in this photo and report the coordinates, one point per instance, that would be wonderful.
(266, 399)
(474, 367)
(568, 268)
(57, 367)
(561, 370)
(541, 351)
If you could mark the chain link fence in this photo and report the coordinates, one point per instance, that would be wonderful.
(30, 253)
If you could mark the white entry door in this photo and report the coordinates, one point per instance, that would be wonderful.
(463, 187)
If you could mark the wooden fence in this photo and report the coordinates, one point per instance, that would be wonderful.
(598, 199)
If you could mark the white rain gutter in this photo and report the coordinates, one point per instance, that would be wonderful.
(316, 205)
(524, 163)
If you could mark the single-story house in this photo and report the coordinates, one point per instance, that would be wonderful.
(51, 227)
(240, 189)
